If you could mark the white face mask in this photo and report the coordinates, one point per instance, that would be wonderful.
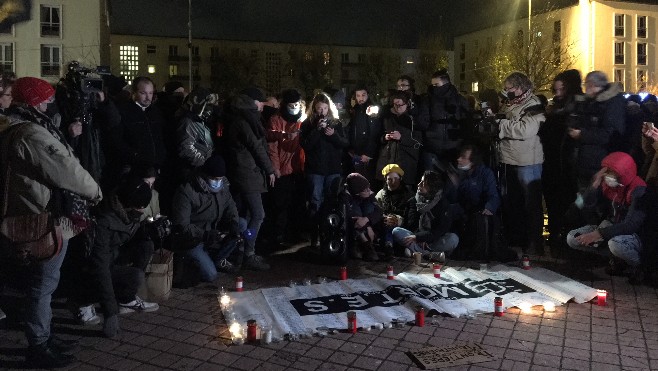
(465, 167)
(216, 184)
(293, 111)
(611, 181)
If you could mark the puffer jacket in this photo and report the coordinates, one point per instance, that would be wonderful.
(520, 144)
(196, 210)
(246, 153)
(286, 154)
(39, 164)
(195, 142)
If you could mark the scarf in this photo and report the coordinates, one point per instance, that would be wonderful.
(520, 98)
(424, 205)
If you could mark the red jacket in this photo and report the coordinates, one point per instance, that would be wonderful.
(286, 154)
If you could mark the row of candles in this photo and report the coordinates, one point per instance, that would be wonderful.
(254, 332)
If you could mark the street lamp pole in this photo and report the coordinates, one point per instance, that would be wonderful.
(529, 22)
(189, 42)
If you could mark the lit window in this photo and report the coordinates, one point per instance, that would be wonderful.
(50, 20)
(7, 57)
(619, 25)
(619, 75)
(326, 58)
(410, 60)
(151, 68)
(642, 26)
(173, 70)
(128, 61)
(641, 80)
(475, 86)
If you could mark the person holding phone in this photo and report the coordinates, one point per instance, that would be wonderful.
(650, 146)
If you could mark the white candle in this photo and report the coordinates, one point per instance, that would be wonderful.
(525, 308)
(549, 306)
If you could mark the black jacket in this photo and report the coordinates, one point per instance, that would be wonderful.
(323, 153)
(246, 147)
(431, 225)
(364, 132)
(194, 140)
(138, 139)
(404, 152)
(445, 111)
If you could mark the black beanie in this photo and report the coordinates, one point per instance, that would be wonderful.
(214, 166)
(134, 193)
(290, 96)
(357, 183)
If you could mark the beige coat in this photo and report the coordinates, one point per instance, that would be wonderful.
(520, 144)
(39, 163)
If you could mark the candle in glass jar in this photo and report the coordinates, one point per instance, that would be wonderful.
(549, 306)
(602, 297)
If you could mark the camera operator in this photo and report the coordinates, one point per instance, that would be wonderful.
(521, 158)
(83, 106)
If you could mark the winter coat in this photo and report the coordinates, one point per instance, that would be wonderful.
(602, 127)
(139, 138)
(477, 190)
(520, 144)
(195, 210)
(195, 143)
(445, 110)
(364, 132)
(246, 147)
(404, 152)
(393, 202)
(40, 163)
(113, 229)
(619, 205)
(431, 225)
(286, 154)
(323, 153)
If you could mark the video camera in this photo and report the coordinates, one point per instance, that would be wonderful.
(158, 228)
(81, 79)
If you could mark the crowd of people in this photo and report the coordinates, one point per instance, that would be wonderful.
(126, 171)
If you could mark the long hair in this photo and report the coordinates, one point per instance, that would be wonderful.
(322, 98)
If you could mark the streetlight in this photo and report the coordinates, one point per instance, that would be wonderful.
(529, 22)
(189, 43)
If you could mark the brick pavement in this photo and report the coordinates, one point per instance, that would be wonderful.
(188, 332)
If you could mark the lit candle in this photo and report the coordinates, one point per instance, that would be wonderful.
(525, 308)
(224, 301)
(602, 297)
(237, 333)
(549, 306)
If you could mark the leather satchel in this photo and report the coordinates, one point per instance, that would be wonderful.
(26, 238)
(31, 237)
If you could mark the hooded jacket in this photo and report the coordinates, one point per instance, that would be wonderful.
(195, 143)
(39, 164)
(520, 144)
(246, 153)
(619, 204)
(286, 154)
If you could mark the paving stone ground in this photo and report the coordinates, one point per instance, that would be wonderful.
(189, 332)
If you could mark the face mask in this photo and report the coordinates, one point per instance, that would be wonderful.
(293, 111)
(611, 181)
(465, 167)
(510, 95)
(215, 184)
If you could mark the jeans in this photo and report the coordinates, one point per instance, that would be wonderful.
(625, 247)
(318, 185)
(44, 278)
(255, 214)
(522, 203)
(447, 243)
(205, 259)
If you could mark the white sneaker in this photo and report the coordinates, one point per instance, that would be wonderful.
(137, 305)
(87, 316)
(2, 314)
(407, 252)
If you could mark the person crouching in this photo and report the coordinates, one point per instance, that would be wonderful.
(364, 211)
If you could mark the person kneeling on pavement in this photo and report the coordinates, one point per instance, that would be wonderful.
(205, 221)
(427, 220)
(614, 194)
(121, 252)
(365, 213)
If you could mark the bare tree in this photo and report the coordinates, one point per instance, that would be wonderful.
(233, 70)
(540, 55)
(380, 70)
(311, 68)
(432, 57)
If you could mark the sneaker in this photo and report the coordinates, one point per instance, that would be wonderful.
(2, 314)
(255, 263)
(407, 252)
(225, 266)
(436, 256)
(86, 316)
(137, 305)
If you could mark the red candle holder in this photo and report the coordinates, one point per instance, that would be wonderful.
(601, 298)
(389, 273)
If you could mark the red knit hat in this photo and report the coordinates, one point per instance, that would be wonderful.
(31, 90)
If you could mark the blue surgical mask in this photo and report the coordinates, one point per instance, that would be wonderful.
(215, 184)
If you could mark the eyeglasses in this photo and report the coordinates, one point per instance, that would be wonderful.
(399, 105)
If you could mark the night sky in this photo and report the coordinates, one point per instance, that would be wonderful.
(390, 23)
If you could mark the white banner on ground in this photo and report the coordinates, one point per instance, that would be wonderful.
(300, 309)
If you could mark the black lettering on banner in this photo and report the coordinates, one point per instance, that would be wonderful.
(394, 295)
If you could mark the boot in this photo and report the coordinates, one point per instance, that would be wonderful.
(45, 356)
(369, 252)
(616, 267)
